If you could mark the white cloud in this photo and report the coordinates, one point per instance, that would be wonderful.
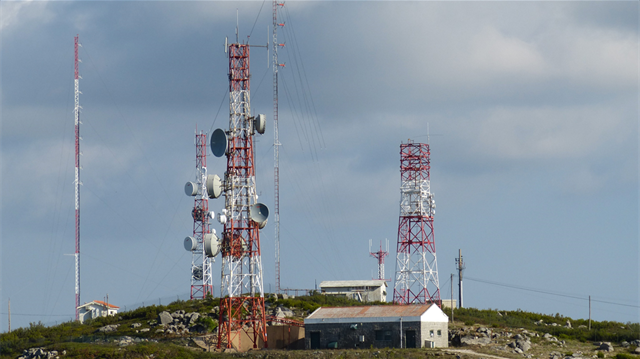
(17, 13)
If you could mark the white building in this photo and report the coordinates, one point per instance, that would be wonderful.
(95, 309)
(361, 290)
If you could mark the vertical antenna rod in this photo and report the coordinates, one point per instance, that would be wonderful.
(276, 143)
(76, 182)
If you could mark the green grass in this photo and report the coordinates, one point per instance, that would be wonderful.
(600, 331)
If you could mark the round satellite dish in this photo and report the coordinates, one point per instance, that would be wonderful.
(211, 245)
(259, 214)
(214, 186)
(218, 143)
(259, 123)
(190, 244)
(191, 189)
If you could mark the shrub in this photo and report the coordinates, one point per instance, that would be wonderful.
(624, 356)
(600, 354)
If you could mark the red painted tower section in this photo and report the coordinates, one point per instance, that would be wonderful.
(416, 265)
(242, 294)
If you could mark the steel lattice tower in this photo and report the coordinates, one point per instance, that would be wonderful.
(76, 182)
(276, 142)
(416, 264)
(242, 291)
(201, 278)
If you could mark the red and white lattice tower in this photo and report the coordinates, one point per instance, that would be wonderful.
(242, 290)
(201, 276)
(416, 264)
(76, 182)
(380, 255)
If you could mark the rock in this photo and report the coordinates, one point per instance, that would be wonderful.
(108, 328)
(165, 318)
(144, 330)
(472, 340)
(524, 345)
(136, 325)
(625, 344)
(637, 350)
(198, 328)
(518, 350)
(539, 322)
(568, 325)
(606, 346)
(284, 296)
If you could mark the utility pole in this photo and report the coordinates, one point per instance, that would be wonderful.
(589, 312)
(460, 265)
(9, 315)
(451, 303)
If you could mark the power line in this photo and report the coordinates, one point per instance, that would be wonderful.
(550, 292)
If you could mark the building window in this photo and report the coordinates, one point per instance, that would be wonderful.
(431, 333)
(439, 332)
(383, 335)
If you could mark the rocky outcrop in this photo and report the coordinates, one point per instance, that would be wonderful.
(41, 353)
(108, 328)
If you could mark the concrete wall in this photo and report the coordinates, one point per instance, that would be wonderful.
(347, 336)
(285, 337)
(440, 332)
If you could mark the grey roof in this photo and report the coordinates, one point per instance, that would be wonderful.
(352, 283)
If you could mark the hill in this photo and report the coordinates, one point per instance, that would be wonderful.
(140, 333)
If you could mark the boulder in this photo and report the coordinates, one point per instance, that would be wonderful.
(637, 350)
(472, 340)
(524, 345)
(108, 328)
(606, 347)
(165, 318)
(136, 325)
(568, 325)
(625, 344)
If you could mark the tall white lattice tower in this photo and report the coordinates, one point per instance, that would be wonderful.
(201, 276)
(76, 182)
(242, 290)
(416, 264)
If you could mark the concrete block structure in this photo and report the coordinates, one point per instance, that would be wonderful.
(361, 290)
(383, 326)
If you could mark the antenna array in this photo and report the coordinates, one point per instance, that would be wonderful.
(416, 264)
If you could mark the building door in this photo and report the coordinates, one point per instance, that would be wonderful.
(410, 336)
(315, 340)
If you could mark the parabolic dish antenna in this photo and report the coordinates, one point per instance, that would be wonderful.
(218, 143)
(211, 245)
(189, 244)
(191, 189)
(259, 214)
(214, 186)
(259, 123)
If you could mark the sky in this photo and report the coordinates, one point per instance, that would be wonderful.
(530, 109)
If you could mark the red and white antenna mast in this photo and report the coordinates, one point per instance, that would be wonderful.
(416, 265)
(242, 290)
(276, 142)
(379, 255)
(201, 275)
(76, 182)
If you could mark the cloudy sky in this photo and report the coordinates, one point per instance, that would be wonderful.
(531, 111)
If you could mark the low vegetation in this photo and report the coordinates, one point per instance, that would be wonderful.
(84, 341)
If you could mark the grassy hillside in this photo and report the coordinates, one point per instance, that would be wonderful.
(84, 341)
